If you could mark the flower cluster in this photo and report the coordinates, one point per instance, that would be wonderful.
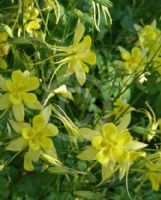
(145, 55)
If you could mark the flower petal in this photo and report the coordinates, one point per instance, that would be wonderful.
(34, 155)
(29, 98)
(135, 145)
(38, 122)
(109, 130)
(50, 130)
(124, 53)
(3, 83)
(4, 102)
(14, 100)
(3, 64)
(17, 144)
(103, 156)
(17, 76)
(46, 112)
(18, 126)
(79, 72)
(46, 143)
(18, 112)
(97, 142)
(123, 138)
(32, 83)
(89, 58)
(79, 31)
(28, 165)
(120, 155)
(34, 144)
(88, 154)
(35, 106)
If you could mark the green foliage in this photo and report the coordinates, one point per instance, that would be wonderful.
(78, 51)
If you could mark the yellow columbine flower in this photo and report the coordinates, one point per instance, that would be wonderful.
(18, 93)
(37, 137)
(113, 148)
(38, 134)
(154, 174)
(149, 35)
(78, 54)
(133, 62)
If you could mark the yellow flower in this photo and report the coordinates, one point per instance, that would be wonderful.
(113, 148)
(154, 174)
(17, 93)
(120, 107)
(38, 134)
(133, 62)
(78, 55)
(149, 35)
(32, 26)
(37, 137)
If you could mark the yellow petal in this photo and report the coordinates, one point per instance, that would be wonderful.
(17, 76)
(109, 130)
(86, 43)
(46, 143)
(79, 31)
(79, 72)
(3, 64)
(14, 100)
(3, 83)
(50, 130)
(155, 180)
(32, 83)
(97, 142)
(18, 126)
(88, 133)
(4, 102)
(88, 154)
(35, 105)
(46, 112)
(29, 98)
(134, 155)
(32, 25)
(89, 58)
(124, 54)
(103, 156)
(34, 155)
(123, 138)
(28, 133)
(17, 144)
(34, 144)
(120, 155)
(107, 170)
(86, 68)
(70, 69)
(38, 122)
(28, 165)
(18, 112)
(135, 145)
(136, 52)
